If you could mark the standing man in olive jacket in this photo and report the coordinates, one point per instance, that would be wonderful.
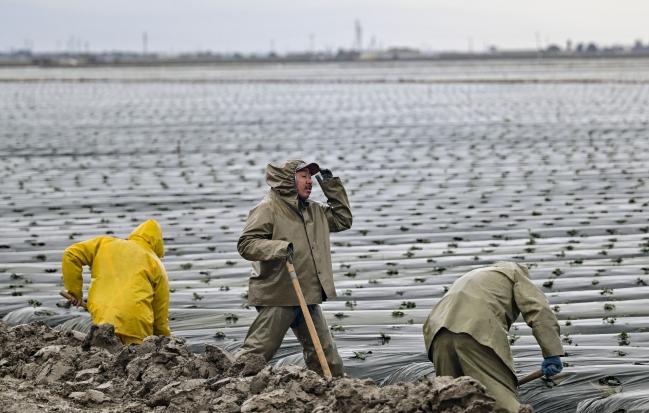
(466, 332)
(286, 222)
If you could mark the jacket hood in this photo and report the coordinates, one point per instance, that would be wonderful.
(150, 233)
(282, 178)
(517, 267)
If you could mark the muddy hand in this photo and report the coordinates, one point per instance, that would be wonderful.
(78, 302)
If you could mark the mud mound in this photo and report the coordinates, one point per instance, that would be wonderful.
(47, 370)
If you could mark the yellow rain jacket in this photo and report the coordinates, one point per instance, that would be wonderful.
(129, 287)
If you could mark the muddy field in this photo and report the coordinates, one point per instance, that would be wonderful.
(447, 167)
(47, 370)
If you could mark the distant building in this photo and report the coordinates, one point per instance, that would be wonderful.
(553, 48)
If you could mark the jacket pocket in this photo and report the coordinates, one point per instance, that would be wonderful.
(255, 270)
(263, 270)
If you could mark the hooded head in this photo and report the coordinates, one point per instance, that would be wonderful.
(518, 267)
(149, 233)
(282, 178)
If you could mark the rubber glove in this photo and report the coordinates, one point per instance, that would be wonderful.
(551, 366)
(289, 252)
(325, 175)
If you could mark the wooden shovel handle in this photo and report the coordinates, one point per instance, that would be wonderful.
(530, 377)
(309, 321)
(70, 297)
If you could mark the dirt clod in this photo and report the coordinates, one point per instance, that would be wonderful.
(525, 408)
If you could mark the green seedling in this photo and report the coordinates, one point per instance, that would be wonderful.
(361, 355)
(513, 338)
(623, 339)
(231, 318)
(384, 338)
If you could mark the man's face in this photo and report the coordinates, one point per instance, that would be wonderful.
(303, 183)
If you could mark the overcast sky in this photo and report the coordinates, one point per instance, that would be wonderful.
(259, 25)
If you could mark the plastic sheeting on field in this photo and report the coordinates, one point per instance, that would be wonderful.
(625, 402)
(594, 389)
(410, 372)
(452, 175)
(58, 318)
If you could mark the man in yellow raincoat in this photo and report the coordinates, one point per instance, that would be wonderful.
(129, 287)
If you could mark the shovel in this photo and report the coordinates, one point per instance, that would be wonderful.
(70, 297)
(530, 377)
(309, 321)
(549, 381)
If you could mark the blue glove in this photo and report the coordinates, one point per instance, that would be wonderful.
(551, 366)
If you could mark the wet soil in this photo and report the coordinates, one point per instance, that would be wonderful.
(47, 370)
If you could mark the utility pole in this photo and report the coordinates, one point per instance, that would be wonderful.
(358, 36)
(372, 45)
(145, 43)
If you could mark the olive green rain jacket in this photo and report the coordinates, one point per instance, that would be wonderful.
(485, 302)
(129, 287)
(278, 220)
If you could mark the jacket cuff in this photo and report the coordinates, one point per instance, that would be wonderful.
(331, 185)
(77, 294)
(281, 250)
(549, 341)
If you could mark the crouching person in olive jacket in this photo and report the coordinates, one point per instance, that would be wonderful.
(466, 332)
(284, 222)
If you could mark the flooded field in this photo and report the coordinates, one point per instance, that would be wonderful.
(448, 166)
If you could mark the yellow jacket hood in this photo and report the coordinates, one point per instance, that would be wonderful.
(150, 233)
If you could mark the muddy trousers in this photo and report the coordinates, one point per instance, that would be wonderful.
(461, 355)
(269, 328)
